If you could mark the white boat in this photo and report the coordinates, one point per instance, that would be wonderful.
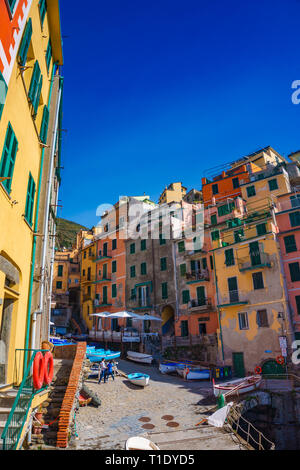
(140, 443)
(139, 357)
(167, 367)
(190, 373)
(244, 385)
(139, 379)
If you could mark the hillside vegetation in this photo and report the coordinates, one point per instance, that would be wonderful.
(66, 233)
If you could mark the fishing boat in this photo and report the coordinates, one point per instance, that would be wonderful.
(167, 367)
(139, 379)
(139, 357)
(97, 356)
(190, 373)
(140, 443)
(244, 385)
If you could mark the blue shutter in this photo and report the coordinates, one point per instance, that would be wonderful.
(23, 51)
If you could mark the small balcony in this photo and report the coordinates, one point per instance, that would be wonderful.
(101, 279)
(140, 304)
(88, 278)
(233, 297)
(200, 305)
(197, 276)
(103, 254)
(255, 260)
(101, 303)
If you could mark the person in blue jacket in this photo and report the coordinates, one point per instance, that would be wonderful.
(109, 371)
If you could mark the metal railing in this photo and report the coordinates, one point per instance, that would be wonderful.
(254, 259)
(197, 275)
(234, 296)
(21, 406)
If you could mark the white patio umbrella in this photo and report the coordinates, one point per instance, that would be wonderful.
(149, 317)
(101, 314)
(123, 314)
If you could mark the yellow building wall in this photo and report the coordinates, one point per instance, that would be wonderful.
(87, 261)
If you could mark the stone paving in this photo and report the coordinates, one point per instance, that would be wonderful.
(123, 404)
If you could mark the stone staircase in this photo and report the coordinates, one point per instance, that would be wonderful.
(7, 399)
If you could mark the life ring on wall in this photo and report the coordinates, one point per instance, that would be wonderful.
(38, 370)
(48, 368)
(258, 370)
(280, 360)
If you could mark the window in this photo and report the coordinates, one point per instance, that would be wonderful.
(84, 254)
(58, 285)
(132, 294)
(143, 245)
(295, 218)
(258, 281)
(181, 247)
(297, 299)
(185, 296)
(238, 235)
(229, 257)
(23, 51)
(204, 263)
(235, 183)
(262, 318)
(143, 268)
(132, 248)
(35, 88)
(184, 326)
(3, 91)
(295, 201)
(202, 328)
(30, 199)
(132, 271)
(294, 272)
(164, 290)
(225, 209)
(261, 229)
(211, 262)
(215, 235)
(213, 219)
(43, 9)
(273, 184)
(251, 191)
(8, 158)
(290, 243)
(182, 268)
(114, 244)
(83, 272)
(215, 189)
(48, 54)
(114, 267)
(114, 290)
(60, 270)
(243, 321)
(163, 264)
(162, 240)
(44, 125)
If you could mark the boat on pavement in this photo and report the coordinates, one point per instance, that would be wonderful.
(98, 355)
(193, 373)
(140, 443)
(167, 367)
(139, 357)
(139, 379)
(243, 385)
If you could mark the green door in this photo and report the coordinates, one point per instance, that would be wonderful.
(254, 253)
(271, 368)
(104, 295)
(238, 364)
(104, 271)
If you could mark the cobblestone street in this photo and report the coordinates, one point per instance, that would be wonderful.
(172, 406)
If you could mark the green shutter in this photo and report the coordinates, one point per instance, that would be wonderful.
(143, 268)
(225, 209)
(60, 270)
(44, 125)
(182, 269)
(163, 264)
(43, 9)
(251, 191)
(162, 240)
(3, 92)
(290, 243)
(132, 271)
(48, 54)
(261, 229)
(132, 248)
(295, 219)
(238, 235)
(273, 184)
(34, 84)
(36, 102)
(8, 157)
(30, 199)
(23, 51)
(114, 290)
(215, 235)
(213, 219)
(181, 247)
(164, 290)
(184, 328)
(294, 271)
(229, 257)
(185, 296)
(143, 245)
(114, 267)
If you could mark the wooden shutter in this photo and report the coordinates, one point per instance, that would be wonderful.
(23, 51)
(34, 84)
(44, 130)
(8, 157)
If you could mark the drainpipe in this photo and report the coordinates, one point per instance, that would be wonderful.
(46, 224)
(35, 236)
(219, 314)
(51, 269)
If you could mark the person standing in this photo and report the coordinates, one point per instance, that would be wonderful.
(102, 371)
(109, 371)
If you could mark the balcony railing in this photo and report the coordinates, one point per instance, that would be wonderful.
(201, 304)
(194, 276)
(103, 278)
(88, 278)
(233, 297)
(254, 260)
(141, 303)
(103, 254)
(100, 303)
(115, 336)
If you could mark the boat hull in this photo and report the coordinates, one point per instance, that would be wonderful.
(137, 357)
(251, 383)
(93, 357)
(140, 443)
(167, 368)
(142, 380)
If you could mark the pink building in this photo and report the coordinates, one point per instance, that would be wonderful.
(288, 220)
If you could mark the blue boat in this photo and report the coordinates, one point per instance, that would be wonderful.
(139, 379)
(97, 356)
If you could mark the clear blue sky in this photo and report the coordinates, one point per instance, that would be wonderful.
(158, 91)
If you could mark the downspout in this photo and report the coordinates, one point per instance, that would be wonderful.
(46, 223)
(51, 269)
(35, 236)
(219, 314)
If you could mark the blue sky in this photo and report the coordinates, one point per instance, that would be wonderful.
(159, 91)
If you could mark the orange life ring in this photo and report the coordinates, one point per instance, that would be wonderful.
(38, 370)
(48, 368)
(258, 370)
(280, 360)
